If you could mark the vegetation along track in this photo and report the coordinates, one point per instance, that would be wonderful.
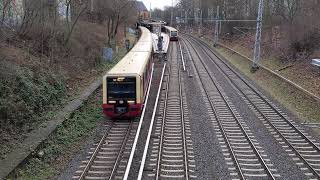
(299, 144)
(106, 160)
(170, 153)
(244, 156)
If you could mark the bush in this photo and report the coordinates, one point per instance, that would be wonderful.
(26, 92)
(300, 44)
(307, 45)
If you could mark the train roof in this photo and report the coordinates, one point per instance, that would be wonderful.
(145, 35)
(144, 43)
(142, 47)
(134, 62)
(131, 65)
(157, 23)
(170, 28)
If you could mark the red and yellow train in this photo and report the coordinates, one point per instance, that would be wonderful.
(125, 86)
(172, 33)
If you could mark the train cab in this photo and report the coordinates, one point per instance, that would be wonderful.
(126, 84)
(172, 33)
(121, 97)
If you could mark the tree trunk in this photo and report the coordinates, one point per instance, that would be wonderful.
(70, 31)
(109, 31)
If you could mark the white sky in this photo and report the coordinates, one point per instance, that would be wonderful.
(158, 3)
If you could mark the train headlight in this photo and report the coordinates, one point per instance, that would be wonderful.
(121, 102)
(130, 102)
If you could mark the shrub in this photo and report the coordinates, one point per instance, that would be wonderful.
(305, 46)
(300, 44)
(25, 93)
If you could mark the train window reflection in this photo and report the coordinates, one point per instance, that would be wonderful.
(173, 33)
(121, 90)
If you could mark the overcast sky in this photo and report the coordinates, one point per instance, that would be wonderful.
(158, 3)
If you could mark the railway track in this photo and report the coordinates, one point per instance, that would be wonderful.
(112, 156)
(244, 156)
(107, 159)
(299, 145)
(169, 155)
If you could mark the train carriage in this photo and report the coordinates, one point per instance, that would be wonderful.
(172, 32)
(126, 84)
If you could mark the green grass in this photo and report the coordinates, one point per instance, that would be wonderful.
(35, 100)
(26, 92)
(306, 108)
(64, 141)
(68, 138)
(297, 102)
(25, 96)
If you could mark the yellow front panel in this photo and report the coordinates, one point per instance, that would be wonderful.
(104, 89)
(138, 90)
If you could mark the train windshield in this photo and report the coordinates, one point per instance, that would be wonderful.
(121, 88)
(174, 33)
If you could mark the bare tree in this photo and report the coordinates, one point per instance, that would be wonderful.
(4, 8)
(79, 9)
(287, 9)
(113, 12)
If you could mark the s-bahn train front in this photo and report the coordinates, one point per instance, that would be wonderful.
(120, 97)
(125, 85)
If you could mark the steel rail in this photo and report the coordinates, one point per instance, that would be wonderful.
(226, 20)
(219, 123)
(262, 114)
(234, 116)
(182, 58)
(93, 156)
(162, 133)
(182, 117)
(182, 125)
(150, 127)
(164, 115)
(315, 97)
(120, 153)
(139, 129)
(259, 95)
(162, 126)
